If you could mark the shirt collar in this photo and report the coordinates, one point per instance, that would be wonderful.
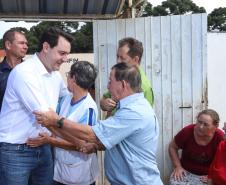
(123, 102)
(78, 101)
(4, 65)
(40, 67)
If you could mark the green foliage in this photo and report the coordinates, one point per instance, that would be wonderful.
(173, 7)
(148, 10)
(217, 20)
(36, 31)
(83, 42)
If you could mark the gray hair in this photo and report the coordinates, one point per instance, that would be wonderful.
(84, 74)
(130, 74)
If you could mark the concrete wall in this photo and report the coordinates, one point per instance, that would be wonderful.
(216, 73)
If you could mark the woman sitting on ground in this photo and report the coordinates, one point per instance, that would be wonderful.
(198, 143)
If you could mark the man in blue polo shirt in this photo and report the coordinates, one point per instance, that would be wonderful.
(130, 156)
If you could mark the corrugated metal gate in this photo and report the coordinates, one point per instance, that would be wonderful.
(174, 60)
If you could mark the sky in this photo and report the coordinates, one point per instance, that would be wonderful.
(4, 26)
(209, 5)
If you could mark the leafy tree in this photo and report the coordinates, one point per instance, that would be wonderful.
(83, 41)
(147, 10)
(36, 31)
(217, 20)
(173, 7)
(83, 37)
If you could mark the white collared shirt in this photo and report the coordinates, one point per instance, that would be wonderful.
(30, 87)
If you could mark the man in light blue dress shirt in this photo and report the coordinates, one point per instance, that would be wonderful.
(130, 137)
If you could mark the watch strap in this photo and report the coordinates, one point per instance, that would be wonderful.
(60, 122)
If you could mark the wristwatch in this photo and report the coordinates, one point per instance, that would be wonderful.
(60, 122)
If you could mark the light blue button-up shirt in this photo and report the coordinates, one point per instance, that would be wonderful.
(131, 138)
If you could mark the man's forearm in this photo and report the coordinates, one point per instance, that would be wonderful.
(68, 137)
(69, 130)
(75, 133)
(70, 142)
(57, 142)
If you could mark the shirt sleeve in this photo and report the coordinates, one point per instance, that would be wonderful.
(116, 128)
(59, 104)
(219, 135)
(26, 87)
(89, 117)
(149, 95)
(63, 88)
(182, 136)
(146, 87)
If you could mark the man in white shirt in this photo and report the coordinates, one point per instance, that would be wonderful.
(33, 85)
(72, 167)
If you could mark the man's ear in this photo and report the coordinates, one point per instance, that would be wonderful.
(137, 59)
(124, 84)
(7, 45)
(45, 47)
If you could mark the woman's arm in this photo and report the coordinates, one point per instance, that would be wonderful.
(179, 172)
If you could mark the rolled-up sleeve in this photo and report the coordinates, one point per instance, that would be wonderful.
(115, 129)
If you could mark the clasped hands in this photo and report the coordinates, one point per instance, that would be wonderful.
(49, 119)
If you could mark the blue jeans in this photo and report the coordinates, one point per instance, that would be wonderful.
(23, 165)
(58, 183)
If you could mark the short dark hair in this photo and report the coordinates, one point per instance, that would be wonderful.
(52, 35)
(213, 114)
(9, 35)
(129, 73)
(84, 74)
(134, 45)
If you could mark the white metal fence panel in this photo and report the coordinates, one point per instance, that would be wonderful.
(216, 43)
(175, 62)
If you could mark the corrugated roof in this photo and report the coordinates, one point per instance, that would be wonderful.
(59, 9)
